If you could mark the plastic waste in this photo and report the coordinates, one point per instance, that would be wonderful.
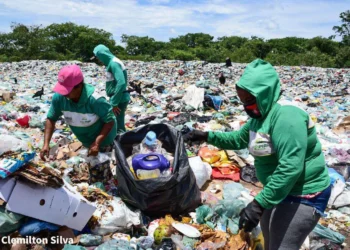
(232, 191)
(73, 247)
(150, 144)
(334, 175)
(187, 230)
(201, 170)
(23, 121)
(90, 240)
(11, 165)
(180, 188)
(115, 216)
(145, 242)
(115, 245)
(11, 143)
(342, 200)
(9, 221)
(209, 155)
(167, 244)
(329, 234)
(34, 226)
(337, 189)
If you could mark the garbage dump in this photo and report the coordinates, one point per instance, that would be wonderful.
(153, 191)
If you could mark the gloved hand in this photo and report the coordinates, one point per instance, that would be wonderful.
(250, 216)
(196, 135)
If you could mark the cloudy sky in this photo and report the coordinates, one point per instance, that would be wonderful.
(163, 19)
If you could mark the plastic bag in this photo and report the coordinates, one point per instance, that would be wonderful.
(90, 240)
(11, 165)
(119, 218)
(334, 175)
(204, 214)
(174, 194)
(337, 189)
(342, 200)
(34, 226)
(23, 121)
(9, 221)
(329, 234)
(72, 247)
(201, 170)
(209, 199)
(229, 208)
(145, 242)
(12, 143)
(209, 155)
(115, 245)
(232, 191)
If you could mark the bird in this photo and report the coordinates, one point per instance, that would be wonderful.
(15, 79)
(228, 62)
(39, 93)
(136, 87)
(222, 78)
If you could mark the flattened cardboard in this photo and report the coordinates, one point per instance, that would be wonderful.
(6, 187)
(62, 206)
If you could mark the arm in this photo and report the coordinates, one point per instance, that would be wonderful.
(289, 138)
(52, 116)
(118, 74)
(231, 140)
(107, 127)
(104, 110)
(49, 128)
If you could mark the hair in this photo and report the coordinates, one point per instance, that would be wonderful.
(78, 85)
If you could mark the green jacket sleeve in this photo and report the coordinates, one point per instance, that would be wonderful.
(104, 110)
(231, 140)
(120, 88)
(55, 109)
(289, 139)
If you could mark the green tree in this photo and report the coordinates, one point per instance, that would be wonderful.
(193, 40)
(232, 42)
(136, 45)
(344, 29)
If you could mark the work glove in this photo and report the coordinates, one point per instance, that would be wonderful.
(250, 216)
(196, 135)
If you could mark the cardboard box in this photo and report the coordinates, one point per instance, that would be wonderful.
(6, 187)
(63, 206)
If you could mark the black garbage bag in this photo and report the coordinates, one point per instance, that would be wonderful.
(174, 194)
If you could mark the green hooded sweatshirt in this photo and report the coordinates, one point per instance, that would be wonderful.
(288, 155)
(117, 77)
(86, 117)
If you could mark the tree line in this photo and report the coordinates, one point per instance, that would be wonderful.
(69, 41)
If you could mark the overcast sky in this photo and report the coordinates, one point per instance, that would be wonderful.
(163, 19)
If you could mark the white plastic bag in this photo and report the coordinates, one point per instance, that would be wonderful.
(201, 170)
(12, 143)
(194, 97)
(337, 189)
(115, 216)
(342, 200)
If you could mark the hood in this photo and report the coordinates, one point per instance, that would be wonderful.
(87, 91)
(262, 81)
(103, 54)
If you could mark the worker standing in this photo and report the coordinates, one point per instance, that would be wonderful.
(288, 156)
(116, 84)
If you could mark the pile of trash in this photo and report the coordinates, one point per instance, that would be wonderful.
(75, 201)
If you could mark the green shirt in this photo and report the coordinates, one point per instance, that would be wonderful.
(86, 117)
(117, 77)
(288, 155)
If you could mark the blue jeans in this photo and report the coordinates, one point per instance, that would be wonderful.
(319, 202)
